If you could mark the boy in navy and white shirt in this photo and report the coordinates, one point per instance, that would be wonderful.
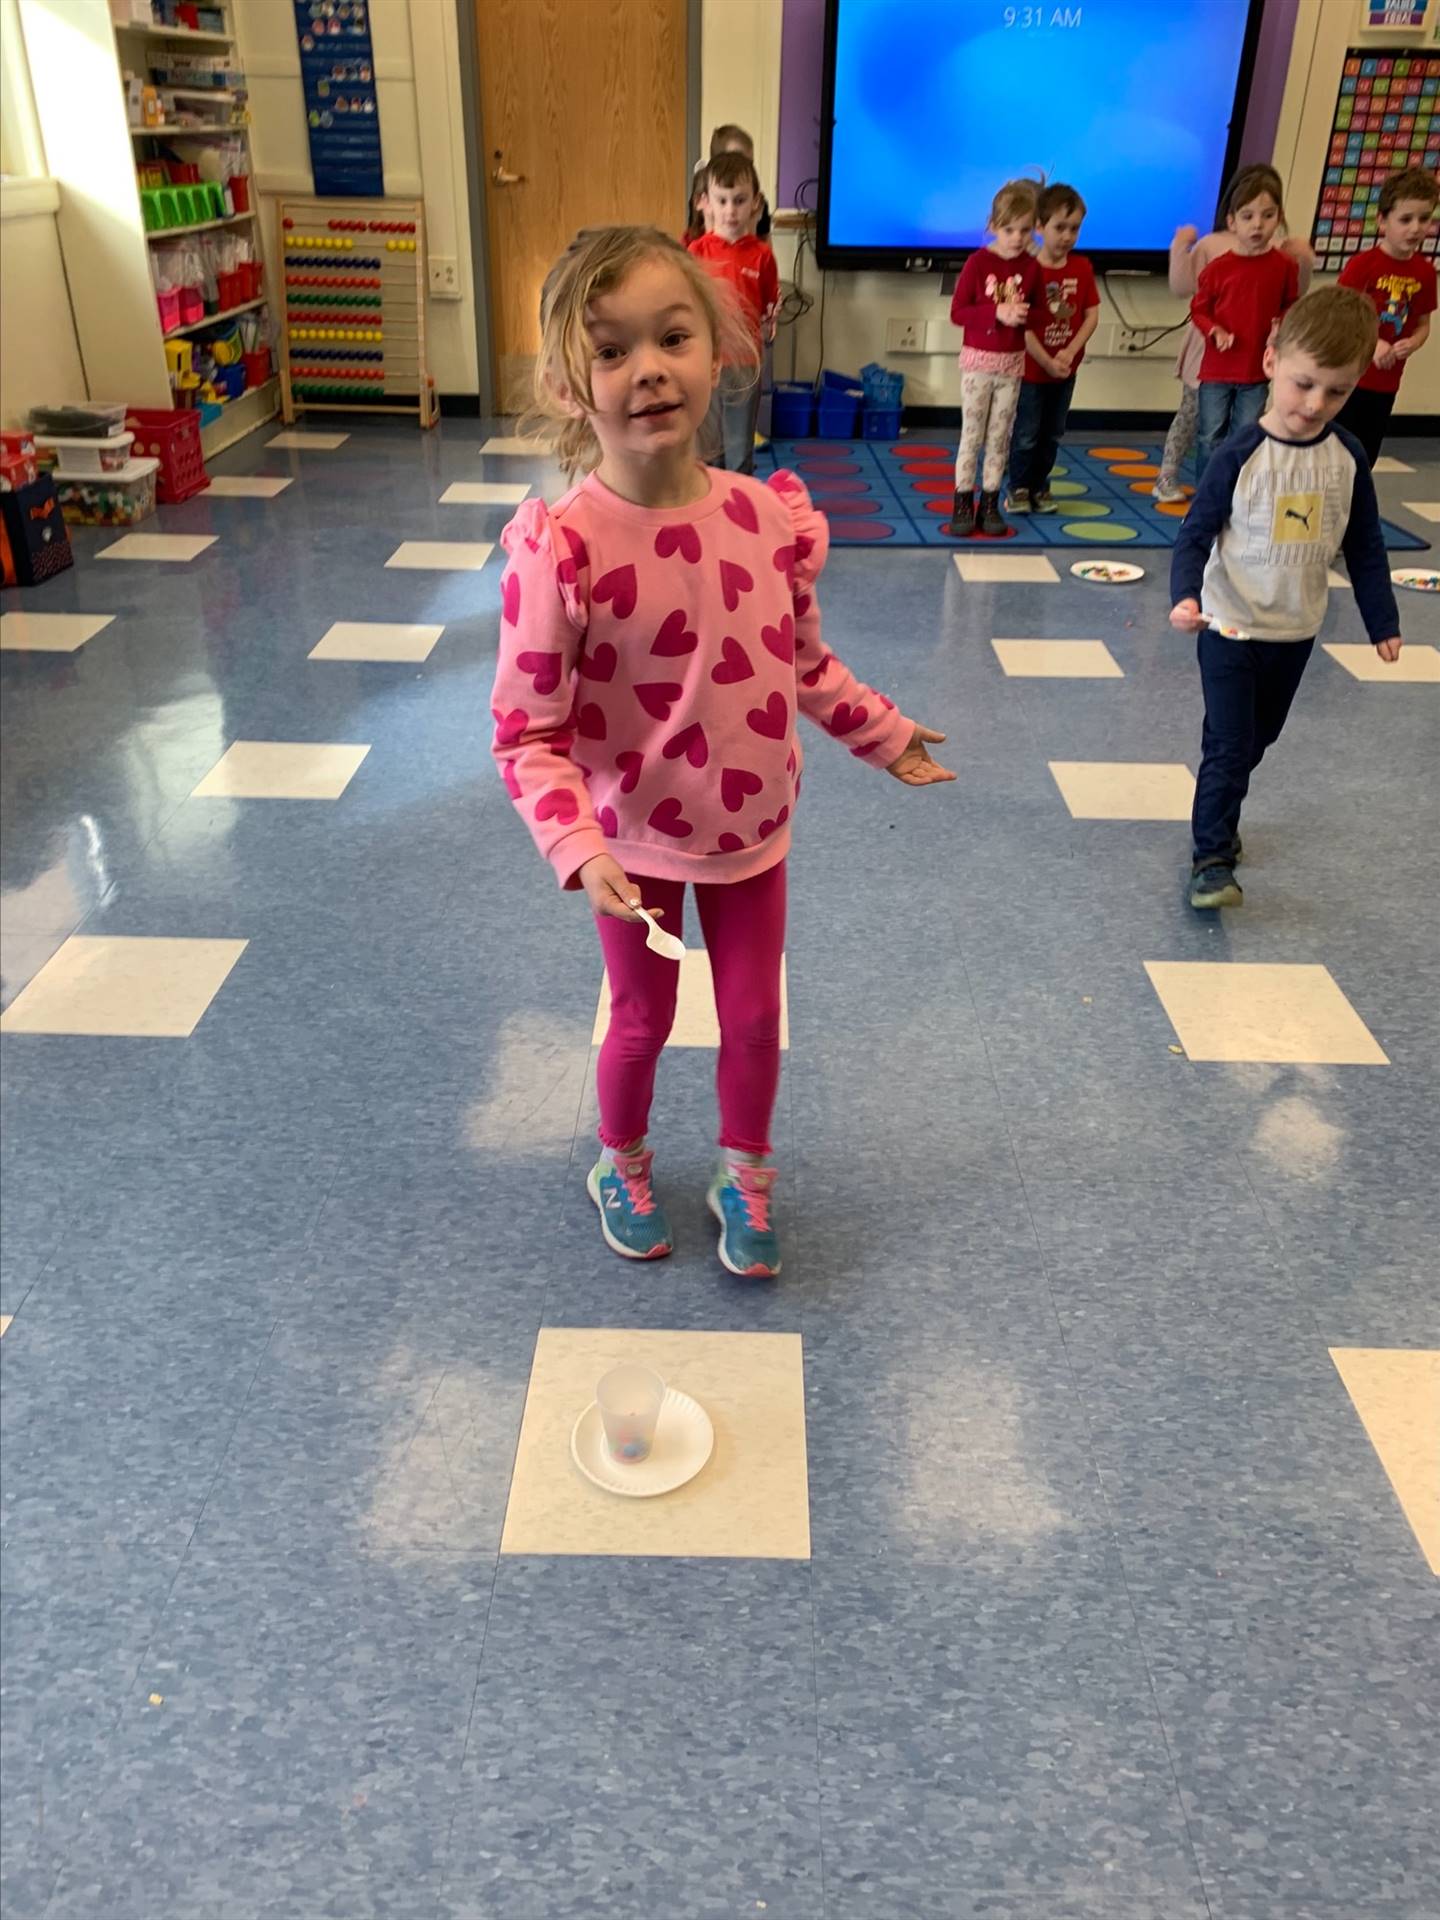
(1251, 565)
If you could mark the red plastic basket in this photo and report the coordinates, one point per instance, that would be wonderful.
(173, 438)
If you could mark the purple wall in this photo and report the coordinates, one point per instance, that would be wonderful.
(802, 63)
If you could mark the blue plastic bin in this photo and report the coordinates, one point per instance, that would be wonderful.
(792, 410)
(838, 415)
(882, 388)
(880, 423)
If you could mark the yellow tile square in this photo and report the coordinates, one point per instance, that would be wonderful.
(1387, 464)
(1418, 664)
(1057, 660)
(750, 1502)
(1125, 789)
(483, 493)
(1227, 1010)
(131, 988)
(246, 486)
(308, 442)
(178, 547)
(442, 556)
(1396, 1391)
(696, 1022)
(977, 569)
(1427, 509)
(514, 445)
(26, 631)
(5, 1319)
(280, 770)
(376, 640)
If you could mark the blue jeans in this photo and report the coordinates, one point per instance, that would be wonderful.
(1039, 427)
(1225, 409)
(1249, 685)
(730, 423)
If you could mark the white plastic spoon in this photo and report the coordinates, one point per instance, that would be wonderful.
(1226, 633)
(659, 941)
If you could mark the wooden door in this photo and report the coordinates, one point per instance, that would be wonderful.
(584, 101)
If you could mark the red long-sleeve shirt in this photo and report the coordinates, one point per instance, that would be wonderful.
(987, 282)
(1243, 294)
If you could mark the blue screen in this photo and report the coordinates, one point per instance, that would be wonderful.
(937, 102)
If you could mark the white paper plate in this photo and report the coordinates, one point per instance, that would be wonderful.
(684, 1441)
(1107, 573)
(1418, 579)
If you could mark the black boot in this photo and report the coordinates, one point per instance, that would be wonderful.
(962, 521)
(992, 522)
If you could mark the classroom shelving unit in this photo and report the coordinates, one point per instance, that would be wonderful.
(352, 306)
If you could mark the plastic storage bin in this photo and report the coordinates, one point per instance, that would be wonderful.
(792, 410)
(90, 420)
(838, 414)
(257, 367)
(880, 423)
(86, 456)
(172, 436)
(108, 499)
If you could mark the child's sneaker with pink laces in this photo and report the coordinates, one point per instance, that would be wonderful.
(740, 1198)
(631, 1218)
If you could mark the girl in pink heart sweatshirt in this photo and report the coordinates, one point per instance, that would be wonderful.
(659, 638)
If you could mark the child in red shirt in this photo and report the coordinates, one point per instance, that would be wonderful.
(1239, 301)
(1400, 282)
(1068, 314)
(997, 287)
(730, 252)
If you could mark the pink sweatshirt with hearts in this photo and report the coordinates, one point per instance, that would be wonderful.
(652, 665)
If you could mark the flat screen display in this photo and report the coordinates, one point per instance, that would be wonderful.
(931, 104)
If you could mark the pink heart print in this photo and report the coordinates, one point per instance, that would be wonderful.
(733, 582)
(590, 722)
(609, 825)
(734, 666)
(767, 827)
(731, 843)
(668, 819)
(617, 586)
(510, 727)
(772, 720)
(803, 604)
(682, 540)
(511, 778)
(742, 512)
(510, 598)
(630, 765)
(558, 804)
(599, 665)
(674, 640)
(657, 697)
(781, 640)
(691, 742)
(543, 668)
(817, 673)
(736, 785)
(785, 562)
(846, 719)
(569, 570)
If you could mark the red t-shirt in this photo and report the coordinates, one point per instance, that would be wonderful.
(749, 265)
(1403, 292)
(987, 282)
(1245, 294)
(1066, 295)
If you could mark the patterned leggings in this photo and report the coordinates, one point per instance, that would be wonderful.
(1181, 438)
(989, 400)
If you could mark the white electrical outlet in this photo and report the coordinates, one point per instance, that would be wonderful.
(1127, 343)
(444, 277)
(905, 336)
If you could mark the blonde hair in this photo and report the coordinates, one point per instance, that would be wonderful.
(1016, 200)
(595, 262)
(1336, 326)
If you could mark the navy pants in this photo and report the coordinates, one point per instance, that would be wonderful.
(1249, 685)
(1367, 415)
(1225, 408)
(1039, 427)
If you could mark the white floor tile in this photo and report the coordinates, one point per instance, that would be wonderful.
(1281, 1015)
(1125, 789)
(483, 493)
(1334, 579)
(696, 1024)
(246, 486)
(516, 446)
(27, 632)
(1388, 464)
(309, 442)
(442, 556)
(281, 770)
(1427, 509)
(975, 568)
(158, 546)
(5, 1319)
(1418, 665)
(1057, 660)
(123, 987)
(376, 640)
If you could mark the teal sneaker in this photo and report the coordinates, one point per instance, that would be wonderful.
(631, 1218)
(740, 1198)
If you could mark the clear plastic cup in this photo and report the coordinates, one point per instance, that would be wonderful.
(629, 1399)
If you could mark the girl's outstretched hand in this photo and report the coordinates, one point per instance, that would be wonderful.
(915, 767)
(610, 889)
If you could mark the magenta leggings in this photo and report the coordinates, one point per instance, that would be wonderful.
(744, 928)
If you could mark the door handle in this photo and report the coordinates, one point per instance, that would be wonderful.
(502, 176)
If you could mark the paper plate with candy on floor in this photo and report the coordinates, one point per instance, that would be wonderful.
(1107, 573)
(1418, 579)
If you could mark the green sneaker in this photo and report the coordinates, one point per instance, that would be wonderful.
(740, 1197)
(631, 1218)
(1018, 500)
(1215, 885)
